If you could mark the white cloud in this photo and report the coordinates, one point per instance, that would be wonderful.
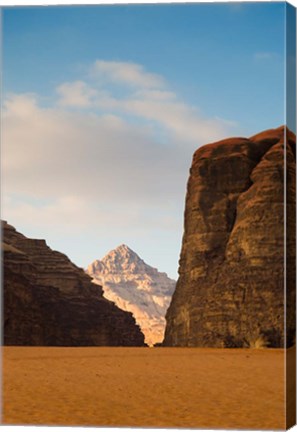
(53, 153)
(120, 163)
(131, 74)
(147, 96)
(181, 121)
(77, 94)
(72, 213)
(21, 105)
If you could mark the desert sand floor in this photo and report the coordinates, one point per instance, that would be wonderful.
(154, 387)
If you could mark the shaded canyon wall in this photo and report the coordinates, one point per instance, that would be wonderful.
(230, 291)
(49, 301)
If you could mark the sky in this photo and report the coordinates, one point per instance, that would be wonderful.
(104, 106)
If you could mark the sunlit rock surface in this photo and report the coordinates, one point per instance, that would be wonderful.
(136, 287)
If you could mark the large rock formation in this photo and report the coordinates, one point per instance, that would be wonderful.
(136, 287)
(230, 291)
(50, 301)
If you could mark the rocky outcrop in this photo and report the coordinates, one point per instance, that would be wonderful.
(50, 301)
(136, 287)
(230, 291)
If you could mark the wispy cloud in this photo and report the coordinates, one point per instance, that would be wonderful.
(131, 74)
(147, 96)
(76, 93)
(97, 156)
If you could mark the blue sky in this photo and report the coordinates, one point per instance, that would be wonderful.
(105, 105)
(208, 52)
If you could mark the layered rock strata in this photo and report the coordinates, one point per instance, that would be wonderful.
(50, 301)
(230, 291)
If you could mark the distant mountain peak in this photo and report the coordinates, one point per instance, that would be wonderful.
(121, 250)
(124, 247)
(122, 260)
(136, 287)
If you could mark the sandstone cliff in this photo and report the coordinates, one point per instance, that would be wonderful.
(50, 301)
(230, 291)
(136, 287)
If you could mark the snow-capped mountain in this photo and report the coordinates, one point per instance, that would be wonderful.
(136, 287)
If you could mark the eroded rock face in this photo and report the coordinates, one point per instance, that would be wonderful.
(230, 291)
(50, 301)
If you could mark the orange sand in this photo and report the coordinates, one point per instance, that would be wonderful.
(160, 387)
